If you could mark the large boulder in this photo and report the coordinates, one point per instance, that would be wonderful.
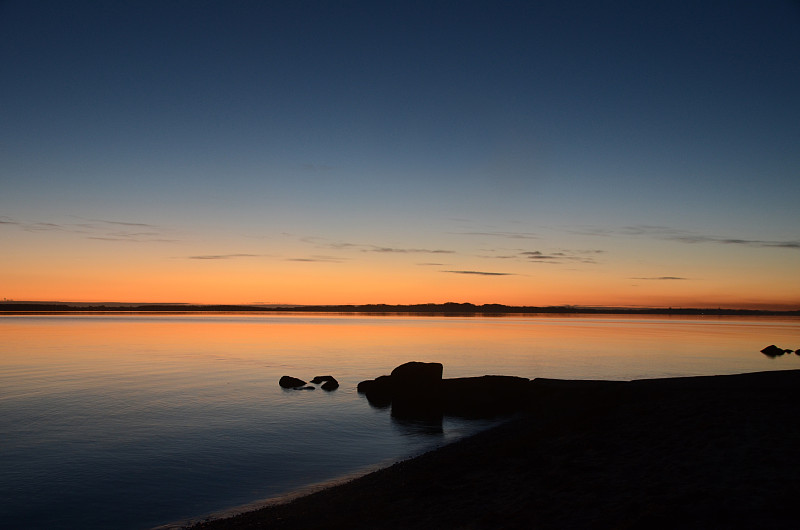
(412, 389)
(288, 381)
(417, 373)
(416, 391)
(772, 351)
(409, 379)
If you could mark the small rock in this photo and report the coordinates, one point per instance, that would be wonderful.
(328, 382)
(325, 379)
(288, 381)
(772, 351)
(330, 385)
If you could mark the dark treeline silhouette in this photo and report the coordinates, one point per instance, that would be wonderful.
(449, 308)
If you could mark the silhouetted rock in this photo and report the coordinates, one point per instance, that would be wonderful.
(417, 373)
(772, 351)
(288, 381)
(379, 391)
(416, 391)
(378, 402)
(797, 352)
(489, 395)
(328, 382)
(330, 385)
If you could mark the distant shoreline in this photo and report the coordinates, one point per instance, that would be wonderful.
(450, 308)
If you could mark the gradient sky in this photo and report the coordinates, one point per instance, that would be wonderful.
(527, 153)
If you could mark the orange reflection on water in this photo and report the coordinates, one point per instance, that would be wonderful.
(366, 346)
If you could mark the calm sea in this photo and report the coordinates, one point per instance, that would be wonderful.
(132, 421)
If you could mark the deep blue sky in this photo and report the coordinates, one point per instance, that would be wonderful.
(254, 128)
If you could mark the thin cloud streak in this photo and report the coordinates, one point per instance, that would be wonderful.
(683, 236)
(661, 278)
(535, 255)
(505, 235)
(320, 242)
(122, 223)
(502, 256)
(96, 229)
(316, 259)
(44, 227)
(561, 256)
(482, 273)
(374, 248)
(745, 242)
(557, 257)
(224, 256)
(131, 239)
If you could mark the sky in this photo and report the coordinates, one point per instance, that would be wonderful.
(615, 153)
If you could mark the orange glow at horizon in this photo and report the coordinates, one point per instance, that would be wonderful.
(88, 272)
(290, 285)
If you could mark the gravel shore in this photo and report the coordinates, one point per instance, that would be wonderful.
(698, 452)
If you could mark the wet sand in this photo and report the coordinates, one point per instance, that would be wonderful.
(700, 452)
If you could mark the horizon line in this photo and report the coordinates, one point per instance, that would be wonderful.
(386, 307)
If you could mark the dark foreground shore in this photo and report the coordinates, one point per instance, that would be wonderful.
(700, 452)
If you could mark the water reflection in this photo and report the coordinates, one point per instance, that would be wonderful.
(153, 418)
(430, 426)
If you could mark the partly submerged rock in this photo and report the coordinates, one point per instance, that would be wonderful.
(328, 382)
(379, 391)
(288, 381)
(772, 351)
(416, 390)
(332, 384)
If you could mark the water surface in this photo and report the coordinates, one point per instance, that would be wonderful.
(130, 420)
